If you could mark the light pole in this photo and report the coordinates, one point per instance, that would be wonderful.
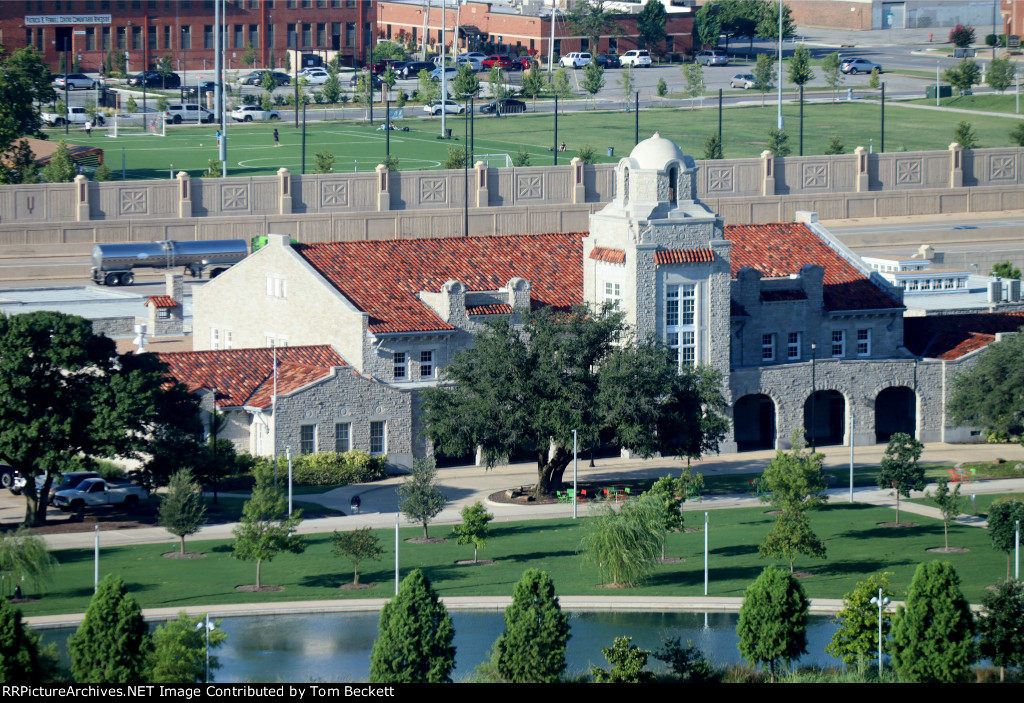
(207, 625)
(814, 392)
(574, 501)
(881, 603)
(781, 122)
(288, 453)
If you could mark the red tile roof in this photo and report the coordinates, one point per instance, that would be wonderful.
(246, 376)
(683, 256)
(497, 309)
(614, 256)
(382, 278)
(780, 249)
(161, 301)
(952, 336)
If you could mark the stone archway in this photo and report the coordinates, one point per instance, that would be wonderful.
(895, 411)
(825, 418)
(753, 421)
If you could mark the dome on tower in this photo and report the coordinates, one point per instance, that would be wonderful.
(655, 153)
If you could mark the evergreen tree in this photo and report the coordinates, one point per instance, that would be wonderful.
(414, 640)
(456, 160)
(19, 648)
(522, 157)
(1002, 526)
(532, 648)
(419, 497)
(112, 645)
(712, 148)
(835, 146)
(1001, 637)
(856, 639)
(933, 635)
(875, 81)
(60, 169)
(778, 142)
(688, 664)
(773, 620)
(324, 161)
(182, 511)
(1017, 134)
(628, 662)
(265, 530)
(179, 650)
(662, 89)
(473, 529)
(900, 470)
(965, 136)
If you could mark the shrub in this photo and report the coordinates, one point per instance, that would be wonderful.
(961, 36)
(333, 469)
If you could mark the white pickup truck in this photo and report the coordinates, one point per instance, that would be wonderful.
(74, 115)
(97, 491)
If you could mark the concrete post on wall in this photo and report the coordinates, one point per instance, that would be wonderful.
(956, 166)
(81, 186)
(483, 195)
(284, 185)
(383, 188)
(184, 194)
(579, 191)
(861, 154)
(767, 173)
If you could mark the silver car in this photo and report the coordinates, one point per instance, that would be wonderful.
(859, 66)
(712, 57)
(75, 81)
(743, 80)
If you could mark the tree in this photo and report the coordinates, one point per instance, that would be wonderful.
(331, 89)
(949, 505)
(182, 511)
(965, 136)
(856, 639)
(179, 650)
(112, 644)
(473, 529)
(628, 662)
(387, 50)
(533, 83)
(324, 161)
(899, 468)
(961, 36)
(532, 648)
(791, 535)
(1017, 134)
(988, 394)
(456, 158)
(794, 479)
(688, 663)
(1005, 269)
(364, 89)
(165, 66)
(1002, 526)
(587, 154)
(778, 142)
(835, 146)
(414, 640)
(589, 18)
(651, 23)
(20, 661)
(627, 82)
(963, 76)
(24, 83)
(764, 74)
(69, 397)
(768, 21)
(712, 148)
(933, 635)
(265, 530)
(522, 157)
(773, 620)
(1000, 636)
(24, 558)
(20, 165)
(624, 545)
(429, 90)
(800, 72)
(833, 76)
(593, 80)
(1001, 74)
(357, 546)
(560, 84)
(419, 497)
(103, 173)
(694, 88)
(60, 169)
(875, 81)
(497, 82)
(662, 88)
(651, 404)
(465, 82)
(708, 24)
(740, 18)
(671, 493)
(391, 162)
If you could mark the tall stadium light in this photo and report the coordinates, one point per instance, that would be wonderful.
(781, 121)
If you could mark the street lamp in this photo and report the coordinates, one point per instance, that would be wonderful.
(781, 122)
(288, 453)
(881, 603)
(207, 626)
(814, 391)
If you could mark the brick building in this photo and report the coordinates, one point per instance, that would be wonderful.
(150, 29)
(896, 14)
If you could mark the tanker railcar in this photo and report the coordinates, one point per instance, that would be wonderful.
(112, 264)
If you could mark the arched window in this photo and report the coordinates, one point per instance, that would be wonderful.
(673, 177)
(625, 186)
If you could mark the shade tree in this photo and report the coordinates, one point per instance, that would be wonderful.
(1000, 635)
(357, 546)
(899, 468)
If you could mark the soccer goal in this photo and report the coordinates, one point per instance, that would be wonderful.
(494, 160)
(137, 124)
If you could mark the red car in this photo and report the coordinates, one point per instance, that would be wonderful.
(503, 62)
(381, 67)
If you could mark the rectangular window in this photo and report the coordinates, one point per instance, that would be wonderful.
(793, 346)
(151, 37)
(228, 341)
(307, 34)
(122, 34)
(104, 38)
(254, 35)
(767, 347)
(277, 287)
(400, 366)
(838, 343)
(270, 36)
(291, 37)
(105, 5)
(90, 5)
(321, 34)
(186, 36)
(214, 338)
(672, 306)
(613, 294)
(321, 3)
(290, 4)
(307, 4)
(350, 34)
(239, 37)
(136, 38)
(167, 36)
(342, 437)
(689, 294)
(863, 342)
(426, 364)
(90, 38)
(307, 439)
(207, 36)
(688, 349)
(136, 4)
(378, 437)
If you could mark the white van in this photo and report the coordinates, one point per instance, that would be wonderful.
(577, 59)
(638, 58)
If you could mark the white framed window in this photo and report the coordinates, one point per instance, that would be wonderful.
(214, 338)
(400, 366)
(767, 347)
(426, 364)
(793, 346)
(838, 343)
(342, 436)
(276, 287)
(228, 340)
(688, 349)
(613, 294)
(672, 306)
(680, 322)
(378, 437)
(307, 439)
(863, 342)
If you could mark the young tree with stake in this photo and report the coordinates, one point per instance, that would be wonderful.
(473, 529)
(420, 498)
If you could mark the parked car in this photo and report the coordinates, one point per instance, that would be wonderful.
(576, 59)
(479, 56)
(450, 107)
(200, 89)
(523, 63)
(712, 57)
(187, 112)
(7, 477)
(96, 491)
(505, 63)
(75, 81)
(256, 78)
(317, 76)
(504, 106)
(152, 79)
(251, 113)
(61, 482)
(637, 58)
(608, 61)
(74, 115)
(743, 80)
(412, 68)
(381, 67)
(450, 70)
(375, 80)
(859, 66)
(471, 61)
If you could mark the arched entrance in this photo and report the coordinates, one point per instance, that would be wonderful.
(825, 418)
(895, 411)
(753, 421)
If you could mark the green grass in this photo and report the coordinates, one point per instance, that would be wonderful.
(358, 146)
(982, 502)
(856, 547)
(1005, 103)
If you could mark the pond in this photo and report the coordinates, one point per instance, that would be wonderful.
(335, 647)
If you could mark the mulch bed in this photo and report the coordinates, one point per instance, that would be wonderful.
(357, 586)
(671, 560)
(470, 562)
(802, 574)
(186, 555)
(897, 524)
(251, 588)
(948, 550)
(523, 495)
(426, 540)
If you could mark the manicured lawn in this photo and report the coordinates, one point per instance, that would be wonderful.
(981, 502)
(983, 103)
(856, 548)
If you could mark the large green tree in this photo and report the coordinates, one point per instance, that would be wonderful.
(532, 648)
(773, 620)
(19, 648)
(768, 21)
(899, 468)
(651, 23)
(989, 393)
(794, 480)
(179, 650)
(590, 19)
(1000, 635)
(182, 510)
(856, 639)
(414, 638)
(69, 398)
(265, 529)
(933, 634)
(24, 83)
(1003, 516)
(707, 24)
(420, 499)
(1000, 74)
(570, 371)
(112, 644)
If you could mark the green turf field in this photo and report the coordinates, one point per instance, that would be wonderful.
(358, 146)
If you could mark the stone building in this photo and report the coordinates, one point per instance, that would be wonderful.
(805, 334)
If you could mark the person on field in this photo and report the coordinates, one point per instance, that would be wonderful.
(277, 138)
